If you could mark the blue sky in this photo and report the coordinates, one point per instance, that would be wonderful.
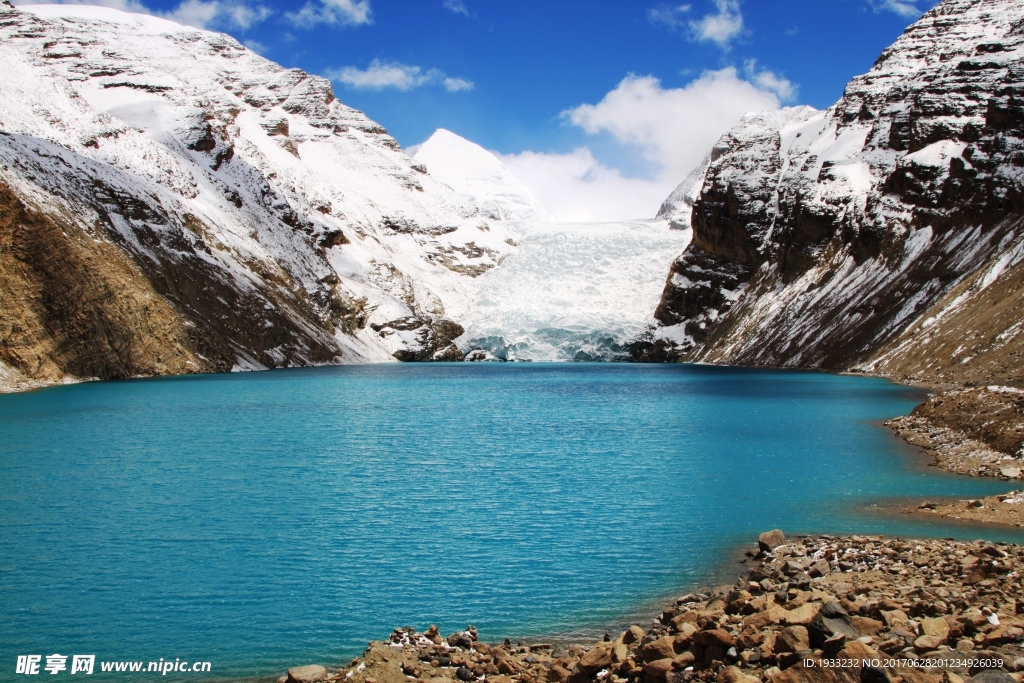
(509, 74)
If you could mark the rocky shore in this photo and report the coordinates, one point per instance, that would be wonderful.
(820, 609)
(973, 431)
(1005, 509)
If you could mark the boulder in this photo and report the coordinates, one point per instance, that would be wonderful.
(634, 635)
(556, 674)
(926, 643)
(657, 670)
(464, 674)
(867, 625)
(312, 673)
(831, 620)
(819, 569)
(599, 657)
(801, 615)
(662, 648)
(894, 617)
(936, 626)
(714, 637)
(793, 639)
(732, 674)
(770, 540)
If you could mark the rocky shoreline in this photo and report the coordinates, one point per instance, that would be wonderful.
(809, 609)
(976, 432)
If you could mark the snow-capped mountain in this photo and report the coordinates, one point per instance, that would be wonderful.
(472, 171)
(197, 207)
(885, 233)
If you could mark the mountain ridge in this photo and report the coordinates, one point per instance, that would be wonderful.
(828, 239)
(278, 226)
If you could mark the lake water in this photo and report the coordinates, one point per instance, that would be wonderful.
(259, 521)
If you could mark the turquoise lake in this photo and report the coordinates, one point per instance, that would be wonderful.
(260, 521)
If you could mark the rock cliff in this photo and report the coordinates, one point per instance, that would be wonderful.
(172, 202)
(885, 234)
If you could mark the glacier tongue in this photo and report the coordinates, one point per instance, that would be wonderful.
(571, 291)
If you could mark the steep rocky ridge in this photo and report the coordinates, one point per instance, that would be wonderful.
(884, 234)
(206, 209)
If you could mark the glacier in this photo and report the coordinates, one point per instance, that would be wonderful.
(571, 291)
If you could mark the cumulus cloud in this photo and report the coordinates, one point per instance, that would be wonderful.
(908, 10)
(457, 6)
(204, 14)
(770, 81)
(576, 187)
(332, 12)
(395, 75)
(669, 129)
(720, 27)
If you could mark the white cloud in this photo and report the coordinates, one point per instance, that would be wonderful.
(905, 9)
(383, 75)
(722, 27)
(770, 81)
(457, 6)
(457, 84)
(205, 14)
(333, 12)
(673, 17)
(669, 129)
(577, 187)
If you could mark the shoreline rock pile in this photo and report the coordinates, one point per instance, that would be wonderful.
(820, 609)
(1006, 509)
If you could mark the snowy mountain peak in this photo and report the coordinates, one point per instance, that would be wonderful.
(471, 170)
(822, 238)
(142, 23)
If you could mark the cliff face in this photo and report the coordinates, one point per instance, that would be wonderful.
(884, 233)
(172, 202)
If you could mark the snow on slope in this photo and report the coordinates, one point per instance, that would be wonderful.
(288, 229)
(818, 237)
(471, 170)
(194, 153)
(571, 291)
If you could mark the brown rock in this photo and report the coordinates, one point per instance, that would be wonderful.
(684, 660)
(732, 674)
(599, 657)
(927, 643)
(714, 637)
(894, 617)
(799, 674)
(770, 540)
(657, 670)
(313, 673)
(662, 648)
(793, 639)
(937, 627)
(867, 625)
(802, 615)
(634, 635)
(557, 674)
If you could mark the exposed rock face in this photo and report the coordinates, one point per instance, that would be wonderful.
(172, 202)
(820, 238)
